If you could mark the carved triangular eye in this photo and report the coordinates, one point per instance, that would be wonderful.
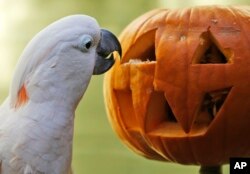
(208, 51)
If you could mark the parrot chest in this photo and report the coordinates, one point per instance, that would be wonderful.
(40, 142)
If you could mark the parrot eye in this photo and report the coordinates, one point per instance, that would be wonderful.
(85, 43)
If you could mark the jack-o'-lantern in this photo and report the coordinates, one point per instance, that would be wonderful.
(181, 91)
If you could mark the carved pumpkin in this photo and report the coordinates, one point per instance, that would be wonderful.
(181, 91)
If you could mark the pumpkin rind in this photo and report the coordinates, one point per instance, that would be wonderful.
(187, 99)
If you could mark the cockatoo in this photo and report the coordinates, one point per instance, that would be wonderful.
(53, 72)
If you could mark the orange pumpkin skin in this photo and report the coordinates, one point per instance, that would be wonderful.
(187, 98)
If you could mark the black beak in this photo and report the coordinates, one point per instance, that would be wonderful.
(105, 58)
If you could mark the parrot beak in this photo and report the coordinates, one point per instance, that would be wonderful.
(105, 58)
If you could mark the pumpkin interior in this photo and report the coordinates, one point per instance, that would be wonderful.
(213, 101)
(209, 51)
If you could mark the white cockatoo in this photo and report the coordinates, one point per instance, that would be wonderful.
(53, 72)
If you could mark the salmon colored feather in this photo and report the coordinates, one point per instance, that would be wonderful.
(22, 97)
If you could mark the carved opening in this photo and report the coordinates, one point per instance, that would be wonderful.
(213, 102)
(209, 52)
(170, 115)
(143, 50)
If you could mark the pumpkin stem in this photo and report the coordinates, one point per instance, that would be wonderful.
(210, 170)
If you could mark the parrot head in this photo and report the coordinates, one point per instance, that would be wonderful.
(60, 60)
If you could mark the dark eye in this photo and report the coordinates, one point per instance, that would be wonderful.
(85, 43)
(88, 44)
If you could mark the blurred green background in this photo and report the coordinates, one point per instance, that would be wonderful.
(97, 149)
